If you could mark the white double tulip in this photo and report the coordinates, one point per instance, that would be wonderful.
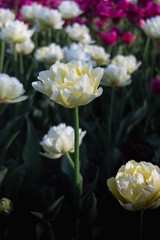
(49, 18)
(70, 85)
(136, 185)
(11, 90)
(78, 32)
(152, 27)
(49, 54)
(15, 32)
(69, 9)
(59, 140)
(129, 62)
(6, 15)
(115, 75)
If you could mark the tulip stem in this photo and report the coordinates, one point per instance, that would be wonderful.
(76, 172)
(15, 59)
(145, 55)
(21, 65)
(2, 55)
(141, 224)
(70, 160)
(111, 114)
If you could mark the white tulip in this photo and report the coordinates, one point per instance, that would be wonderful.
(115, 75)
(70, 85)
(15, 32)
(30, 12)
(69, 9)
(60, 140)
(49, 54)
(129, 62)
(152, 27)
(136, 185)
(11, 90)
(98, 54)
(50, 18)
(6, 15)
(79, 33)
(75, 52)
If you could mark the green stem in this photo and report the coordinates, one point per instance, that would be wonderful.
(111, 113)
(35, 37)
(15, 59)
(141, 224)
(76, 172)
(2, 55)
(70, 160)
(122, 103)
(153, 58)
(21, 65)
(49, 33)
(145, 55)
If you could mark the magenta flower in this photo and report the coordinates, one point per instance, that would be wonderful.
(155, 86)
(128, 38)
(152, 9)
(133, 13)
(104, 10)
(111, 36)
(101, 24)
(117, 15)
(143, 3)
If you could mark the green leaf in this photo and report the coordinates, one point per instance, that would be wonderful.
(54, 209)
(31, 150)
(92, 187)
(55, 204)
(3, 171)
(14, 179)
(6, 131)
(38, 214)
(129, 122)
(6, 146)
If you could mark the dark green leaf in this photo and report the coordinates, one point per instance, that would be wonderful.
(31, 151)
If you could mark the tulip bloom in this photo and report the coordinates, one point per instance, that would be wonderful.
(15, 32)
(115, 75)
(70, 85)
(11, 90)
(60, 140)
(128, 38)
(156, 85)
(136, 185)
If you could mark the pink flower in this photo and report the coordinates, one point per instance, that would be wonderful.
(111, 37)
(141, 23)
(155, 85)
(128, 38)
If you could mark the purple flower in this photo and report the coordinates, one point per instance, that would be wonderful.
(155, 86)
(138, 150)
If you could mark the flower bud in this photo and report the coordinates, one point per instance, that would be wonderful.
(6, 206)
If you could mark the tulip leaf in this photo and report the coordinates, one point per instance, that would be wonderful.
(14, 179)
(6, 146)
(31, 151)
(92, 186)
(129, 122)
(6, 131)
(3, 171)
(54, 209)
